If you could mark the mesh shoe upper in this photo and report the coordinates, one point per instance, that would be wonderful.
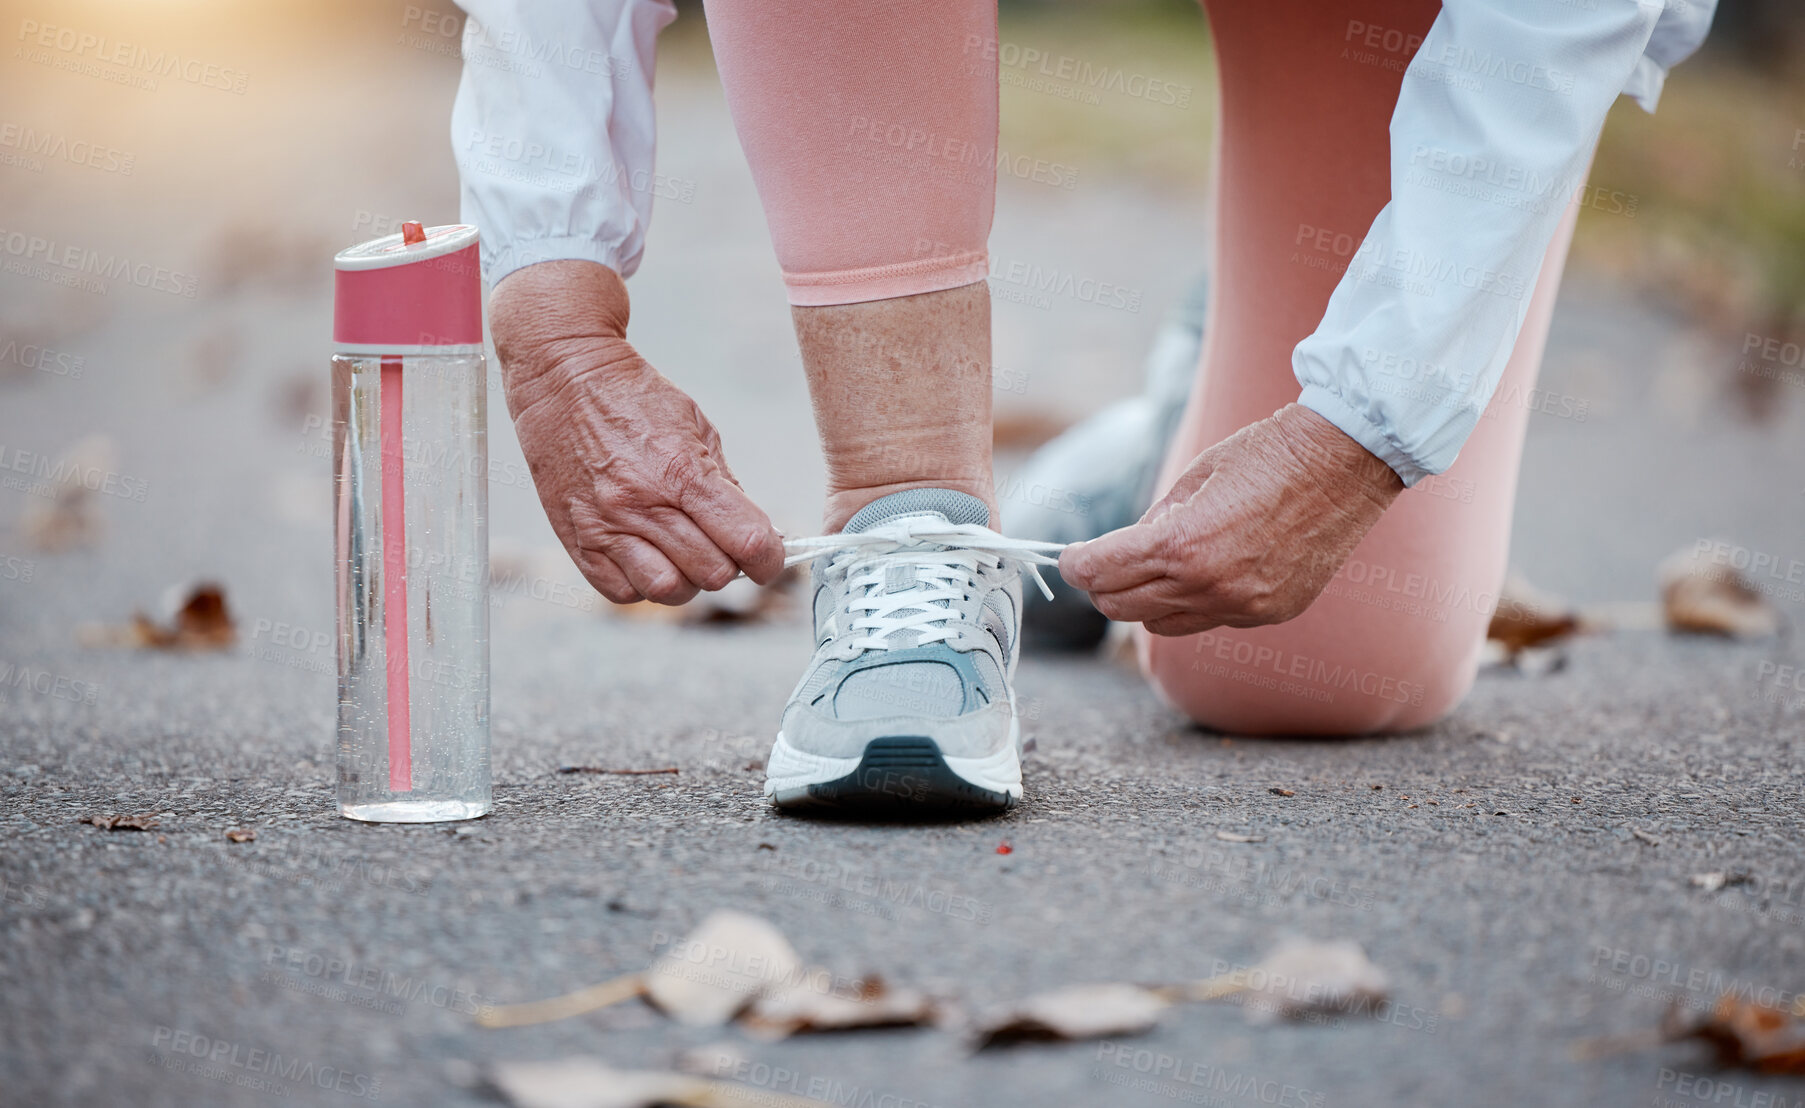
(910, 630)
(864, 672)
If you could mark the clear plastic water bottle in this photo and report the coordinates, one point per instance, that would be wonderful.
(411, 505)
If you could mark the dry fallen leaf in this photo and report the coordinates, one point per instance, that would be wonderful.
(1526, 616)
(618, 772)
(1232, 837)
(237, 835)
(122, 823)
(712, 1059)
(202, 622)
(1711, 882)
(735, 964)
(1078, 1012)
(714, 972)
(1623, 615)
(1529, 629)
(595, 997)
(1701, 597)
(68, 521)
(741, 600)
(800, 1007)
(1299, 977)
(1745, 1034)
(69, 518)
(592, 1083)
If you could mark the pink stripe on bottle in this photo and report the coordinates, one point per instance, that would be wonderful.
(394, 578)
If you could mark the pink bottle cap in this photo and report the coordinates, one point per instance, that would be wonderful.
(417, 292)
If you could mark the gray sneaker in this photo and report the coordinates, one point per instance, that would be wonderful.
(908, 702)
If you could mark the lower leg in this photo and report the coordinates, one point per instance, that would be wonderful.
(901, 392)
(1392, 642)
(869, 127)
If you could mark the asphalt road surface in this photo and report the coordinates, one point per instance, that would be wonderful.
(1522, 872)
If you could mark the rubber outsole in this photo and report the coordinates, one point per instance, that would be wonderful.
(903, 773)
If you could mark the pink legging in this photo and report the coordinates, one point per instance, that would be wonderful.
(870, 127)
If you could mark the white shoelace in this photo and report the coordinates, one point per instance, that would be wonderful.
(944, 560)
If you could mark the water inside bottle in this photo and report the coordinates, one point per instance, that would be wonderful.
(410, 453)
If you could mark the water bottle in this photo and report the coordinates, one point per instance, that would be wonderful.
(411, 504)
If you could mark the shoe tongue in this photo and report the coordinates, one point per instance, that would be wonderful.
(950, 505)
(945, 504)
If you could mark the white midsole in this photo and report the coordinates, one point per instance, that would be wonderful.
(789, 768)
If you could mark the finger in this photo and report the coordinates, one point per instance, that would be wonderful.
(1184, 623)
(1153, 600)
(693, 553)
(1122, 559)
(601, 572)
(737, 527)
(652, 574)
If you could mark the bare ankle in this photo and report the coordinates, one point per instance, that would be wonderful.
(901, 390)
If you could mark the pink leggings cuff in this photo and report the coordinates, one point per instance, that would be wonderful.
(886, 282)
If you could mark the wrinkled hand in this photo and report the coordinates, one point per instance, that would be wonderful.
(1251, 533)
(629, 469)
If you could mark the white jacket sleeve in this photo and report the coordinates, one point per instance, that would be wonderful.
(553, 129)
(1494, 129)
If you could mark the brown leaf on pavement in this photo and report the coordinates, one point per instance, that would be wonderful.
(736, 964)
(122, 823)
(1078, 1012)
(592, 1083)
(868, 1003)
(1527, 617)
(1298, 978)
(241, 835)
(741, 600)
(1233, 837)
(713, 1059)
(717, 970)
(202, 622)
(84, 472)
(67, 522)
(1711, 882)
(1702, 596)
(1743, 1034)
(594, 998)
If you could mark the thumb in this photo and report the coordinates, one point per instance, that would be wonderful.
(1185, 487)
(1118, 560)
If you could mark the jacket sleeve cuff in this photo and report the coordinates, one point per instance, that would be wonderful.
(1357, 426)
(506, 258)
(1645, 83)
